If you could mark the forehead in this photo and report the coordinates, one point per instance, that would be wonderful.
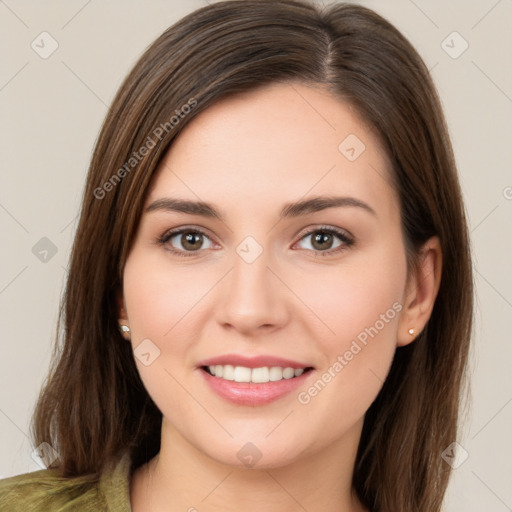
(280, 141)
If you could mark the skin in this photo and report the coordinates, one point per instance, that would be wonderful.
(249, 155)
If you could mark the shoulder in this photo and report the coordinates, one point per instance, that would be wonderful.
(48, 491)
(45, 490)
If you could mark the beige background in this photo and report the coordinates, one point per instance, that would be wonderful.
(51, 110)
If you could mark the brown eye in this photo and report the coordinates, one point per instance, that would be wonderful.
(327, 241)
(191, 240)
(322, 241)
(186, 241)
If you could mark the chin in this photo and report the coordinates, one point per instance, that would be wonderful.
(260, 453)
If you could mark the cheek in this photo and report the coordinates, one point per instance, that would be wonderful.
(361, 305)
(354, 296)
(161, 299)
(160, 303)
(167, 303)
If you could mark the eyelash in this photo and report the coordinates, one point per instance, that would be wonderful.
(343, 236)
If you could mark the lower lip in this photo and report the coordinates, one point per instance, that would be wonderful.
(250, 393)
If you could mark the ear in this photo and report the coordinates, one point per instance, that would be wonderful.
(121, 308)
(421, 291)
(122, 317)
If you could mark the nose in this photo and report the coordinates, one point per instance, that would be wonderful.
(253, 297)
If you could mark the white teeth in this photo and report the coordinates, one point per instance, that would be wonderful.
(288, 373)
(256, 375)
(228, 372)
(276, 373)
(259, 374)
(242, 374)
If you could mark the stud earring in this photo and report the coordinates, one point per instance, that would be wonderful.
(125, 331)
(412, 332)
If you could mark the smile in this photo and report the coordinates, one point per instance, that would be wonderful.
(253, 387)
(255, 375)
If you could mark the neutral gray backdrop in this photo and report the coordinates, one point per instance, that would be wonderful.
(51, 109)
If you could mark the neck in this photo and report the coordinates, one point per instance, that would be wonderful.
(183, 478)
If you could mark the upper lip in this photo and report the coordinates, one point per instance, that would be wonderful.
(252, 362)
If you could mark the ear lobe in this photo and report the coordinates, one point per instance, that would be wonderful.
(122, 317)
(423, 287)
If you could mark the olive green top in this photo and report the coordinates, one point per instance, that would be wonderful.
(46, 491)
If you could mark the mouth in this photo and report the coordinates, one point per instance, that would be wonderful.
(253, 381)
(259, 375)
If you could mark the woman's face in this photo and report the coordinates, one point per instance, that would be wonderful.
(263, 279)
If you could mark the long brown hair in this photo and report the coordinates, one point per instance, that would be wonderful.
(94, 405)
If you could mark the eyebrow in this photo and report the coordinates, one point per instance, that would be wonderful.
(290, 210)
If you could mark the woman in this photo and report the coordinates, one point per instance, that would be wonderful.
(269, 300)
